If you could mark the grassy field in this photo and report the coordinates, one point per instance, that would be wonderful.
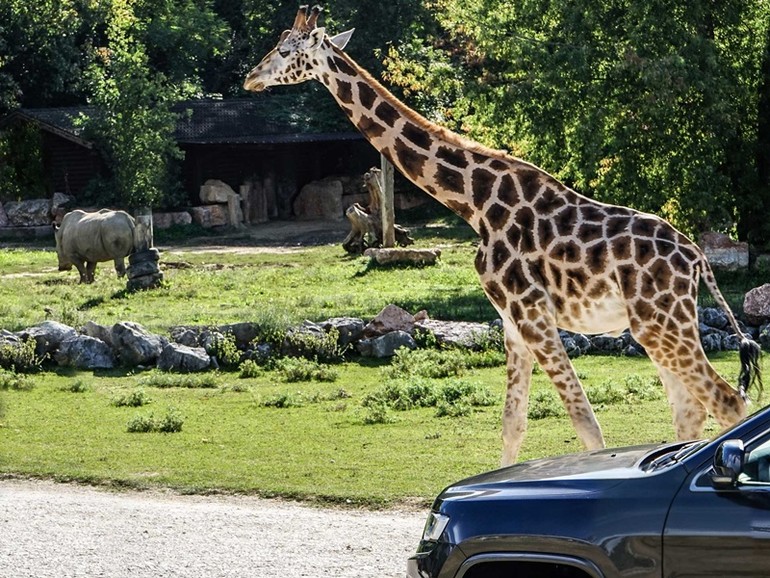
(312, 440)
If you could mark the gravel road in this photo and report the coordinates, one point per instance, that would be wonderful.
(62, 531)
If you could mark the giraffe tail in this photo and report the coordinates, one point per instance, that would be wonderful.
(749, 351)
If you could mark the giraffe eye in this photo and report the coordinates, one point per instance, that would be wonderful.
(283, 52)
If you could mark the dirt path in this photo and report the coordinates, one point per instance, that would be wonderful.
(63, 530)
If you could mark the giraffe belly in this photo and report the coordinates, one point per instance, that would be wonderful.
(607, 315)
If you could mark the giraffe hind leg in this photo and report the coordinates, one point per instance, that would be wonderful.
(688, 412)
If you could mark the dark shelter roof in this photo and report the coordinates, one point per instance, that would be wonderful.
(261, 119)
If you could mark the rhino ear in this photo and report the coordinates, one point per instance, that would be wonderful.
(342, 39)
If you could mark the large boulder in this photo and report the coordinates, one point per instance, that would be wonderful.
(135, 345)
(244, 332)
(85, 352)
(209, 216)
(724, 253)
(29, 213)
(48, 335)
(4, 222)
(350, 329)
(215, 191)
(460, 333)
(385, 345)
(101, 332)
(320, 200)
(166, 220)
(181, 358)
(391, 318)
(756, 305)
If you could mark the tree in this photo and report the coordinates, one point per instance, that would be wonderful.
(133, 123)
(649, 104)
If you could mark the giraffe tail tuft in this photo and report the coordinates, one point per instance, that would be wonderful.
(750, 375)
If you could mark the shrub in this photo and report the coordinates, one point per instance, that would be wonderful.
(172, 422)
(76, 386)
(226, 351)
(543, 404)
(188, 381)
(378, 413)
(454, 398)
(296, 369)
(249, 369)
(20, 357)
(283, 400)
(324, 347)
(136, 398)
(12, 380)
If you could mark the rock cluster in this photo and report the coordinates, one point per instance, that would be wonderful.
(194, 348)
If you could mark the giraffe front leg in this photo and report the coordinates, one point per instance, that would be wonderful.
(689, 413)
(519, 371)
(542, 339)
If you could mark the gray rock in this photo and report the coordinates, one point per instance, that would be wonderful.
(181, 358)
(244, 333)
(215, 191)
(8, 338)
(349, 328)
(607, 344)
(101, 332)
(391, 318)
(711, 342)
(135, 345)
(85, 352)
(764, 336)
(386, 345)
(185, 336)
(320, 200)
(461, 333)
(29, 213)
(48, 335)
(731, 342)
(714, 317)
(571, 347)
(724, 253)
(756, 305)
(399, 255)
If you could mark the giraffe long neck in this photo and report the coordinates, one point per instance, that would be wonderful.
(460, 173)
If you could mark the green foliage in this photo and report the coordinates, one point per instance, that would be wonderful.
(249, 369)
(453, 398)
(226, 351)
(171, 422)
(440, 363)
(76, 386)
(22, 175)
(620, 100)
(136, 398)
(294, 369)
(324, 347)
(544, 403)
(133, 123)
(188, 381)
(12, 380)
(20, 356)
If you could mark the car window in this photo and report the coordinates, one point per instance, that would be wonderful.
(756, 466)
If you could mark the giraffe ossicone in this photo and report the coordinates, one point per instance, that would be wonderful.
(548, 257)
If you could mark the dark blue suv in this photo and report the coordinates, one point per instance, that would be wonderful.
(676, 510)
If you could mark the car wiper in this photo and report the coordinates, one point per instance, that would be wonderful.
(675, 456)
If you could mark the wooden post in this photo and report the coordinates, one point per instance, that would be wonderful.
(387, 204)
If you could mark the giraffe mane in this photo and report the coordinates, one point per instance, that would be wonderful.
(439, 131)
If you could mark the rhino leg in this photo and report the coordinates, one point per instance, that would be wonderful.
(120, 267)
(90, 268)
(79, 265)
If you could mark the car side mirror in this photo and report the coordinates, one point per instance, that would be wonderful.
(728, 464)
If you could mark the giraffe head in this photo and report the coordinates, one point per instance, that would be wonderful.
(297, 57)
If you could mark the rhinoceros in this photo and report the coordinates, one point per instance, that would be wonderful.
(84, 239)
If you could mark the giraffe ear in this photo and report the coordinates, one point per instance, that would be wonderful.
(342, 39)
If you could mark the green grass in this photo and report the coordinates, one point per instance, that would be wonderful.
(255, 431)
(235, 437)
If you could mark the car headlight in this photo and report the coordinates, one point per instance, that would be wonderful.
(434, 527)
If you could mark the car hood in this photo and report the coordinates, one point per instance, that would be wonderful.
(581, 471)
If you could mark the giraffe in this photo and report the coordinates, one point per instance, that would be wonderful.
(548, 257)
